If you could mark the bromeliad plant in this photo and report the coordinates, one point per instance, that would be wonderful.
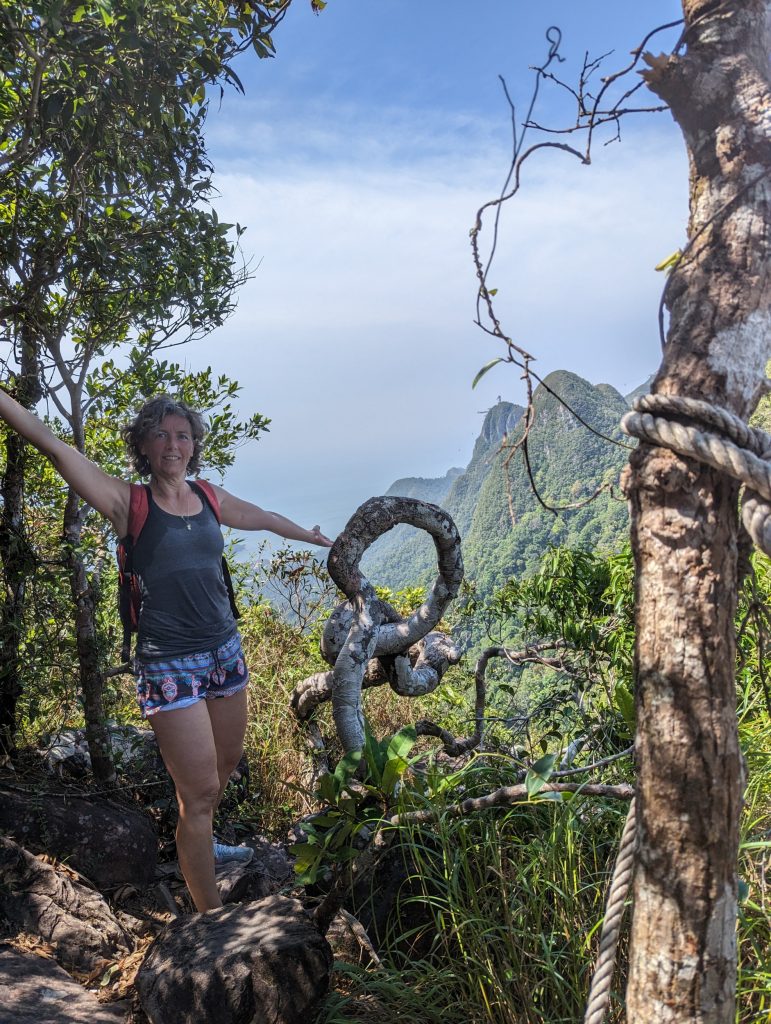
(352, 809)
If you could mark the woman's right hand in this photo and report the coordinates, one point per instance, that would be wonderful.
(107, 494)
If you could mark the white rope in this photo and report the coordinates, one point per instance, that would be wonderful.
(599, 993)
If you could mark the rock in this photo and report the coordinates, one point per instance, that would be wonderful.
(108, 843)
(35, 990)
(390, 900)
(75, 920)
(258, 963)
(269, 871)
(346, 944)
(243, 883)
(67, 750)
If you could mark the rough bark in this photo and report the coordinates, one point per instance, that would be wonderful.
(74, 919)
(364, 627)
(261, 962)
(684, 528)
(14, 551)
(16, 555)
(109, 844)
(415, 673)
(91, 677)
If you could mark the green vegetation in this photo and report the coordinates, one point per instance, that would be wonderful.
(499, 911)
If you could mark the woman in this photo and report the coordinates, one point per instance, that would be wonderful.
(191, 673)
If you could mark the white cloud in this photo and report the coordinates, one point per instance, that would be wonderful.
(356, 333)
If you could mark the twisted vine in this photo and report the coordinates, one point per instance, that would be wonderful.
(365, 640)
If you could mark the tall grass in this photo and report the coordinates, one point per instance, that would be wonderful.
(754, 926)
(502, 910)
(499, 920)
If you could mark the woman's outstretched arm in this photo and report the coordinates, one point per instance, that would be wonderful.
(107, 494)
(243, 515)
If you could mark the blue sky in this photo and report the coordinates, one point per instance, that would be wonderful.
(357, 159)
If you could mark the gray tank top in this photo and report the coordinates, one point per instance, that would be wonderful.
(185, 604)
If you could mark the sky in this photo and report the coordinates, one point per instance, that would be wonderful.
(357, 160)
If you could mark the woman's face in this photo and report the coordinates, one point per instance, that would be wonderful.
(169, 447)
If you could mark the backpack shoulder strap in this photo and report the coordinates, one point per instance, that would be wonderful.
(129, 598)
(139, 508)
(206, 489)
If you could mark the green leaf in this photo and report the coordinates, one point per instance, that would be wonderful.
(539, 773)
(624, 701)
(346, 769)
(340, 835)
(326, 820)
(393, 771)
(396, 764)
(307, 862)
(485, 368)
(402, 742)
(374, 754)
(305, 856)
(670, 262)
(327, 789)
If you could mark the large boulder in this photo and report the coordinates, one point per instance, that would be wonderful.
(35, 990)
(74, 919)
(258, 963)
(109, 843)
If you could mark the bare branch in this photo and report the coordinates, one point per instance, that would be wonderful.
(508, 795)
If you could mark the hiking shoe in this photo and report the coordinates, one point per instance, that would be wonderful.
(232, 854)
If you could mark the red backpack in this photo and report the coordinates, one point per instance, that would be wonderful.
(129, 593)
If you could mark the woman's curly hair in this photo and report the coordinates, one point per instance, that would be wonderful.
(150, 416)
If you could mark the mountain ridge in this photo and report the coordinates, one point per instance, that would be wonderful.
(504, 528)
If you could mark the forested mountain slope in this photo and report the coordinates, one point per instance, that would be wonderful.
(503, 537)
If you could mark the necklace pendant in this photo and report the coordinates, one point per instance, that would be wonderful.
(187, 525)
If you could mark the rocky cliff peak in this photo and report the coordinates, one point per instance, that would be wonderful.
(499, 421)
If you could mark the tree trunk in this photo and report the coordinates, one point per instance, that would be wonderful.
(91, 677)
(684, 528)
(16, 555)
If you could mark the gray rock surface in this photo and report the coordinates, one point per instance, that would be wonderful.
(256, 963)
(35, 990)
(268, 872)
(74, 919)
(108, 843)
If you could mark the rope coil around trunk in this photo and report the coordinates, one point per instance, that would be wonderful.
(718, 438)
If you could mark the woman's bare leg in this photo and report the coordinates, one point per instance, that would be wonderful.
(186, 741)
(228, 725)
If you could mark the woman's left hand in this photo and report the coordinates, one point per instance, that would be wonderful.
(317, 537)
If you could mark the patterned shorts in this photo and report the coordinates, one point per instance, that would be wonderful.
(170, 683)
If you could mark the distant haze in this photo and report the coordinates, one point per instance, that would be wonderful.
(357, 160)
